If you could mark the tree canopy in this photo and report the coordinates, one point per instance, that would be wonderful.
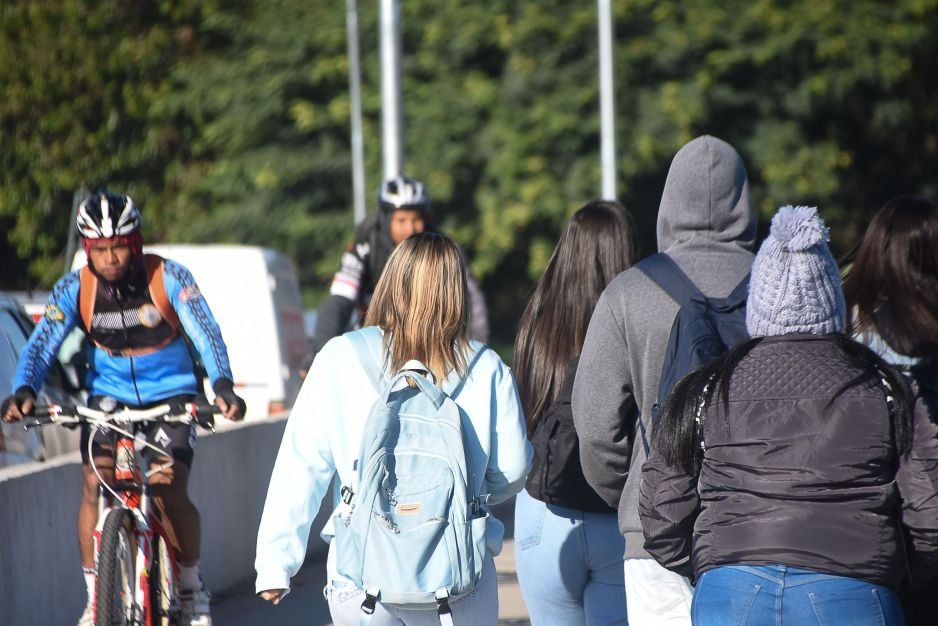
(229, 121)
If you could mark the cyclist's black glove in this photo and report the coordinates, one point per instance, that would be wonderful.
(224, 389)
(19, 398)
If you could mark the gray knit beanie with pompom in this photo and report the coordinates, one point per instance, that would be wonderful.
(795, 283)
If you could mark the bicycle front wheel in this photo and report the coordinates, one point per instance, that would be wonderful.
(163, 606)
(116, 586)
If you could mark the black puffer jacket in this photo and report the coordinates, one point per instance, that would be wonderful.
(790, 476)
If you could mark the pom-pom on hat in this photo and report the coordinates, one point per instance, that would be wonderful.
(795, 283)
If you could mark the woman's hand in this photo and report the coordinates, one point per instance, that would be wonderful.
(273, 595)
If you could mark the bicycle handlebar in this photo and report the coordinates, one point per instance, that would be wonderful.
(184, 413)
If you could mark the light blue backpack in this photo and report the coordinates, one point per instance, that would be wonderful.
(411, 531)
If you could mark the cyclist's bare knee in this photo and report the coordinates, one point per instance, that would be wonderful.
(170, 476)
(90, 479)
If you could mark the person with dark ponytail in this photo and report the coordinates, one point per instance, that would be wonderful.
(795, 477)
(568, 546)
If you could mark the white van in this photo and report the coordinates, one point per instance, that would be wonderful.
(254, 295)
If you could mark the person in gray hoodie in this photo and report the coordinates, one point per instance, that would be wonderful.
(708, 227)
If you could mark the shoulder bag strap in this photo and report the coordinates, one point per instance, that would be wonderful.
(453, 383)
(87, 292)
(665, 273)
(369, 356)
(742, 289)
(154, 267)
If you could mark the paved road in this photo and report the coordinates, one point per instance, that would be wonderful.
(305, 606)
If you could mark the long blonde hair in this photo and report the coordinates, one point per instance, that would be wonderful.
(421, 303)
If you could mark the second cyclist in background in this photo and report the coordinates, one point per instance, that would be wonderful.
(403, 209)
(139, 312)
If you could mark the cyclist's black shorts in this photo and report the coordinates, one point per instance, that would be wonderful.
(175, 440)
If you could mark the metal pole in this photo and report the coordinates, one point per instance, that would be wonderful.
(606, 111)
(392, 120)
(355, 94)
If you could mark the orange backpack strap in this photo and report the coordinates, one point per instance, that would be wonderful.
(87, 292)
(154, 265)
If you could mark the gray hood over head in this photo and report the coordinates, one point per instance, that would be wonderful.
(706, 197)
(707, 226)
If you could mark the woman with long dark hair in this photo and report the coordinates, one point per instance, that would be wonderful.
(568, 546)
(794, 477)
(892, 286)
(891, 291)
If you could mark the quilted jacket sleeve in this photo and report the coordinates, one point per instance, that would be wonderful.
(668, 508)
(917, 479)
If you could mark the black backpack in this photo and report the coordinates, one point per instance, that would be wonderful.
(703, 329)
(556, 475)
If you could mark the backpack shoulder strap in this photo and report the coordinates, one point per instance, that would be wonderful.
(742, 289)
(665, 273)
(87, 292)
(369, 355)
(454, 384)
(154, 267)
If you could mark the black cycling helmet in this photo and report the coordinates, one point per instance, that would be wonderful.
(105, 214)
(402, 192)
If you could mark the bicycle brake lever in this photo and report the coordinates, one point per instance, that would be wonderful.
(207, 422)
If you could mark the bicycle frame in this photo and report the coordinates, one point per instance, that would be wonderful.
(130, 492)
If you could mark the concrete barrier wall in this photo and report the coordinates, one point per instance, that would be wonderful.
(40, 573)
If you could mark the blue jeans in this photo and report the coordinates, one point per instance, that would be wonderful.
(779, 595)
(569, 564)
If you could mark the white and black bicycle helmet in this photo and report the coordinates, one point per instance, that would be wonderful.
(105, 214)
(402, 192)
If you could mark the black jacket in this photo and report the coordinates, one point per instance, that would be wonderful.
(791, 476)
(556, 476)
(360, 268)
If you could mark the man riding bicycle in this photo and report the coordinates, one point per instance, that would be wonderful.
(142, 316)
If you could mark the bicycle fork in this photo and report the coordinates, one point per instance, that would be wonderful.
(147, 611)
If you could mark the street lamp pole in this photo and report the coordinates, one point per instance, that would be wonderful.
(606, 109)
(392, 120)
(354, 80)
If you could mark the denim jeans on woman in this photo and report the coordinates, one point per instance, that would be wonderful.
(779, 595)
(569, 564)
(479, 607)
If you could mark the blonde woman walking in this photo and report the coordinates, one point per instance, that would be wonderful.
(419, 311)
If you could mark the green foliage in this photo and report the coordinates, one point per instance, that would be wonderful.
(828, 100)
(78, 78)
(269, 164)
(230, 120)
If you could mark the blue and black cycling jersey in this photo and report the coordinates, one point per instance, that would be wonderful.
(125, 311)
